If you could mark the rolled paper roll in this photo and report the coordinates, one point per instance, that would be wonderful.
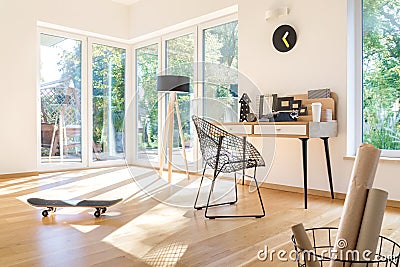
(361, 181)
(303, 242)
(371, 224)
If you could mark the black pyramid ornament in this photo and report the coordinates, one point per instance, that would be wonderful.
(244, 107)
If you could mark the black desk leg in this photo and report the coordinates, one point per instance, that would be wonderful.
(328, 164)
(304, 148)
(244, 158)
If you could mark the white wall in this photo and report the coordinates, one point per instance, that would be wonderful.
(319, 60)
(19, 66)
(152, 15)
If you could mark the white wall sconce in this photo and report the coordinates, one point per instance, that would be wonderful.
(277, 12)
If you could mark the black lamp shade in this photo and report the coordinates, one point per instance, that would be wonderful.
(173, 83)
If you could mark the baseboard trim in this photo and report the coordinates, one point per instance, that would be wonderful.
(18, 175)
(393, 203)
(316, 192)
(294, 189)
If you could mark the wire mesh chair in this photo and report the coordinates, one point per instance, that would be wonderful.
(226, 153)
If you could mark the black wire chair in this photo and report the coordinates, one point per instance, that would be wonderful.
(226, 153)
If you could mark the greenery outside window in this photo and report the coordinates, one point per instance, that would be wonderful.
(108, 80)
(147, 59)
(61, 99)
(381, 75)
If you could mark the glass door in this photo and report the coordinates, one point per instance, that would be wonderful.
(61, 99)
(108, 102)
(220, 74)
(180, 50)
(147, 125)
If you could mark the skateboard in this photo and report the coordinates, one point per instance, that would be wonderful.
(52, 205)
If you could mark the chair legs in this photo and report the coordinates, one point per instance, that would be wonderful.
(208, 205)
(211, 189)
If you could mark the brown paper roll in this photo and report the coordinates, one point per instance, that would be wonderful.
(361, 180)
(371, 223)
(303, 242)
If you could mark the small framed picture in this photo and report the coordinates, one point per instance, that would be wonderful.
(303, 111)
(284, 103)
(296, 104)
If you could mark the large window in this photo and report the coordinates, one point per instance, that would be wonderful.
(208, 52)
(147, 59)
(220, 55)
(381, 74)
(70, 63)
(179, 54)
(60, 95)
(108, 79)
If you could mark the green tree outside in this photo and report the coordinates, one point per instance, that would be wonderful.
(381, 68)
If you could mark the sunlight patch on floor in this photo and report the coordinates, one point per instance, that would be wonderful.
(137, 238)
(84, 228)
(79, 187)
(167, 255)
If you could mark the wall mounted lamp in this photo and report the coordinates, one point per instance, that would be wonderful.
(277, 12)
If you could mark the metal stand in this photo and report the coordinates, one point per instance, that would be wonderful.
(304, 148)
(328, 164)
(169, 133)
(305, 165)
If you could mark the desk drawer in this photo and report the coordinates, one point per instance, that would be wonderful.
(237, 129)
(281, 129)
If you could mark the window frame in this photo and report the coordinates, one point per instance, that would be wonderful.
(198, 31)
(355, 106)
(202, 27)
(86, 102)
(84, 105)
(134, 112)
(106, 163)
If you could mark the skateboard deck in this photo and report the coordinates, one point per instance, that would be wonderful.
(51, 205)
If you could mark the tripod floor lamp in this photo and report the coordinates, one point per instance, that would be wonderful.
(172, 84)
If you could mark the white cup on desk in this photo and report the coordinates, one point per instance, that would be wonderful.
(316, 111)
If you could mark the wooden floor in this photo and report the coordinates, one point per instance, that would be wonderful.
(155, 225)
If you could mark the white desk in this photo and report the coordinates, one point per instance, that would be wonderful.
(302, 130)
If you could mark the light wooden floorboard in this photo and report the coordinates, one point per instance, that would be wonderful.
(155, 225)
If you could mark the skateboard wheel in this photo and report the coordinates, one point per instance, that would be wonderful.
(97, 213)
(103, 210)
(45, 213)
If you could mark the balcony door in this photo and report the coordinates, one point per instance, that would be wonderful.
(61, 91)
(179, 58)
(70, 137)
(206, 53)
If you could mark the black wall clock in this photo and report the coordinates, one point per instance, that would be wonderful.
(284, 38)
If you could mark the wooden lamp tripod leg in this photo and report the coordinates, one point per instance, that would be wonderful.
(168, 133)
(170, 122)
(165, 134)
(178, 116)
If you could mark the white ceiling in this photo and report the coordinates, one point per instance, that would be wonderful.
(126, 2)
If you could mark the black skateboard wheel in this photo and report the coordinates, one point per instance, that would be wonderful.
(45, 213)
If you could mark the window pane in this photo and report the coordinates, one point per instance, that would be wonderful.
(60, 93)
(108, 64)
(147, 97)
(220, 72)
(180, 61)
(381, 73)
